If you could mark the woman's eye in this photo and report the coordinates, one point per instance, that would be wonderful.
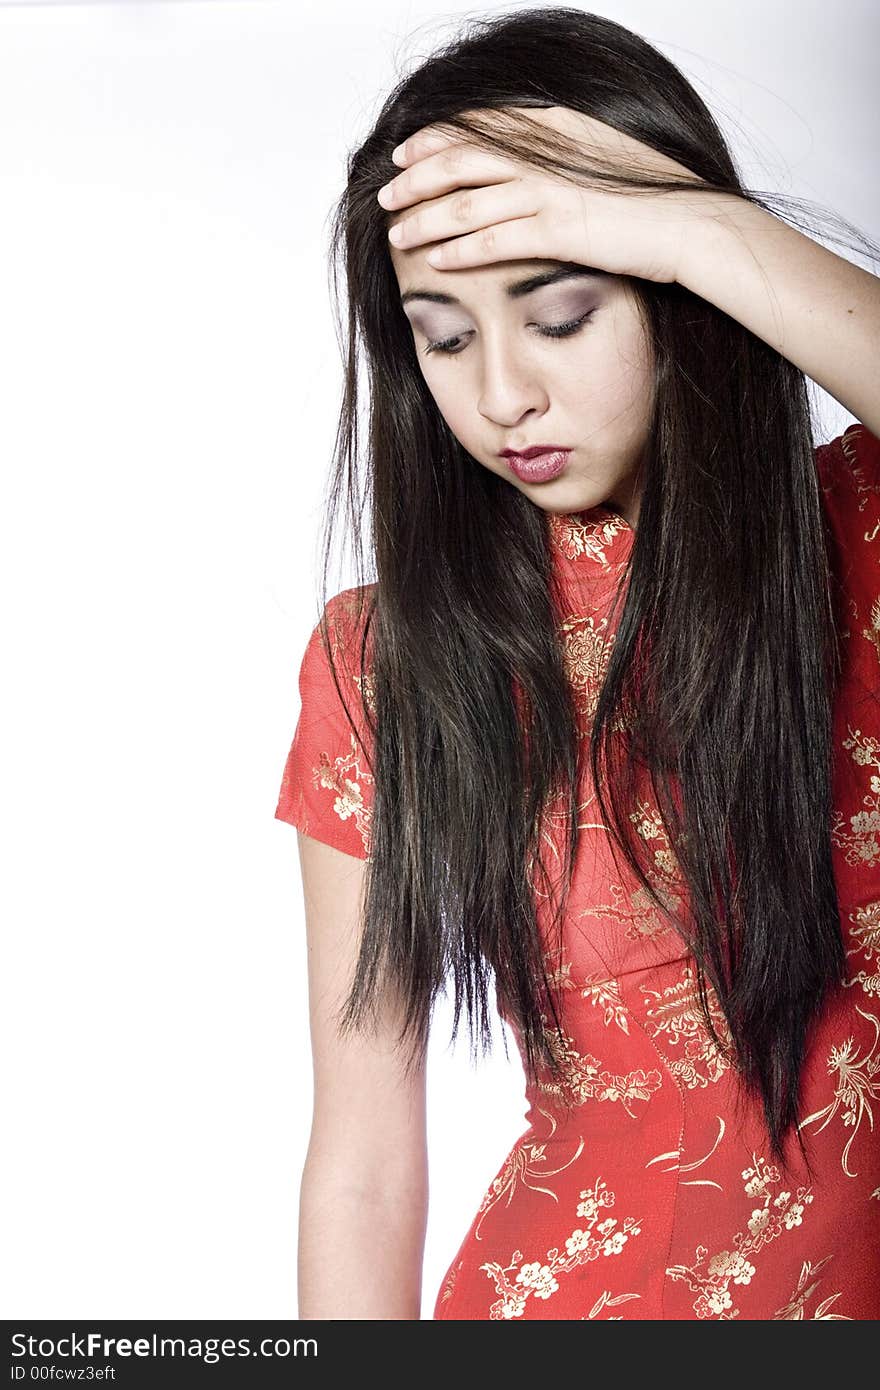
(445, 345)
(452, 346)
(564, 330)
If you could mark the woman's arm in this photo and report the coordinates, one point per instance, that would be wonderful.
(364, 1191)
(816, 308)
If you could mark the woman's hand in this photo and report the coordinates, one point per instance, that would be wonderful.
(484, 208)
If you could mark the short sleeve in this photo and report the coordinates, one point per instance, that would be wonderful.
(327, 785)
(849, 480)
(849, 483)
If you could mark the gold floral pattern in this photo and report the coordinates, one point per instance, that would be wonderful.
(524, 1166)
(590, 537)
(808, 1283)
(872, 633)
(447, 1288)
(346, 779)
(327, 786)
(586, 651)
(632, 908)
(649, 824)
(858, 1084)
(349, 785)
(675, 1017)
(859, 843)
(520, 1280)
(603, 993)
(606, 1301)
(673, 1162)
(866, 934)
(638, 917)
(587, 1080)
(605, 996)
(710, 1277)
(866, 931)
(861, 469)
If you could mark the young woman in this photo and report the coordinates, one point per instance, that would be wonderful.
(603, 732)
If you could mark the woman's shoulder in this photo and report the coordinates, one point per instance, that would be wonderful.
(345, 627)
(342, 635)
(349, 604)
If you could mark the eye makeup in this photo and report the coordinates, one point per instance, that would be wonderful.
(549, 309)
(561, 317)
(451, 346)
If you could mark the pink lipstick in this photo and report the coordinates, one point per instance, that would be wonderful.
(537, 464)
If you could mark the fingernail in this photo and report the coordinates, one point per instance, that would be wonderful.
(397, 155)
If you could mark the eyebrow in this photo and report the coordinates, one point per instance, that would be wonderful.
(515, 288)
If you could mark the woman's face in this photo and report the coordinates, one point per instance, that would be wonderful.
(503, 384)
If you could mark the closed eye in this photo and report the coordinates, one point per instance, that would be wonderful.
(448, 346)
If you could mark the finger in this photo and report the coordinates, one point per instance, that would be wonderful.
(428, 140)
(455, 166)
(518, 239)
(463, 211)
(432, 138)
(421, 143)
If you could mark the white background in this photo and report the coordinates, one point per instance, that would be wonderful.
(170, 381)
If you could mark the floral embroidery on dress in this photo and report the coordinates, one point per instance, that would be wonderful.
(858, 1083)
(872, 633)
(586, 651)
(346, 647)
(867, 938)
(448, 1287)
(345, 778)
(539, 1278)
(638, 917)
(586, 1079)
(589, 539)
(849, 441)
(860, 845)
(603, 993)
(606, 1301)
(523, 1164)
(710, 1277)
(632, 909)
(808, 1283)
(674, 1164)
(675, 1018)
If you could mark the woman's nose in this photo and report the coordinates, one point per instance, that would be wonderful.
(509, 385)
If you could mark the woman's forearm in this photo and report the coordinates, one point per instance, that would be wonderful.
(816, 308)
(361, 1246)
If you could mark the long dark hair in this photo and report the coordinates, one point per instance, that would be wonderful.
(471, 718)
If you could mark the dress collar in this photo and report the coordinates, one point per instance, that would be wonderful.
(590, 544)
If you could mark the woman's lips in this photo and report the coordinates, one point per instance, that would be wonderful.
(539, 469)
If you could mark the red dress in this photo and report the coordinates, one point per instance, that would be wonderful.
(655, 1197)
